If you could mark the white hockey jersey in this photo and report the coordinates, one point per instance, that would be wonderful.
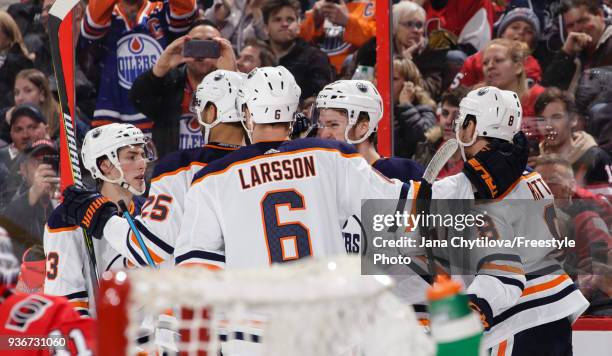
(162, 213)
(391, 167)
(68, 268)
(517, 288)
(273, 202)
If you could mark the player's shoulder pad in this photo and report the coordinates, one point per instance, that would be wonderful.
(400, 168)
(457, 186)
(240, 155)
(56, 219)
(317, 144)
(267, 148)
(183, 159)
(178, 159)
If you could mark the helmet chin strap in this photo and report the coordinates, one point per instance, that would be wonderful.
(208, 127)
(129, 187)
(206, 134)
(122, 182)
(462, 144)
(358, 141)
(248, 132)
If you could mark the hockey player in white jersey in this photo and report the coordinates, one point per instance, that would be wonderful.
(116, 155)
(275, 200)
(159, 222)
(526, 301)
(349, 111)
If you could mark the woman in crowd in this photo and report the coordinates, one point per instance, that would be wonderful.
(520, 24)
(14, 56)
(32, 87)
(410, 42)
(503, 68)
(413, 107)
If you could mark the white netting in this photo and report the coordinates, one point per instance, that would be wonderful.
(304, 308)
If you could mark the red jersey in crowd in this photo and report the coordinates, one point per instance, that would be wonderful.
(466, 19)
(529, 98)
(472, 71)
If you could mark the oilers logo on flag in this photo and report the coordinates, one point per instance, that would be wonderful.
(136, 53)
(190, 134)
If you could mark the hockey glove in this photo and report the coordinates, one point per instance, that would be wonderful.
(88, 209)
(498, 166)
(300, 125)
(482, 308)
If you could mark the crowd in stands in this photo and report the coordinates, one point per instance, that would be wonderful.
(555, 55)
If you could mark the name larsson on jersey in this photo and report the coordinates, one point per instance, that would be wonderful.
(286, 169)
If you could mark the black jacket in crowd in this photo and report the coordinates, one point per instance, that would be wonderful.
(11, 63)
(160, 99)
(310, 67)
(560, 72)
(410, 124)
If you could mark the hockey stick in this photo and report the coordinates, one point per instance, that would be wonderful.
(60, 30)
(130, 220)
(434, 167)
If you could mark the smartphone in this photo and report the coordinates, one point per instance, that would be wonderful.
(53, 161)
(201, 49)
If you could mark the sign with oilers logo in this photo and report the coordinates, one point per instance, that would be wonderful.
(136, 53)
(190, 134)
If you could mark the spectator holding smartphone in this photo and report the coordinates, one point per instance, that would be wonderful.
(165, 92)
(26, 124)
(38, 194)
(132, 35)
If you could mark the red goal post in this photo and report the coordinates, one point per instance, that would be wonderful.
(384, 75)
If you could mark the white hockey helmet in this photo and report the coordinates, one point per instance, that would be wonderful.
(498, 114)
(105, 141)
(354, 97)
(221, 89)
(271, 95)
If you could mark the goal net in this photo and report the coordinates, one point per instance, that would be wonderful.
(313, 307)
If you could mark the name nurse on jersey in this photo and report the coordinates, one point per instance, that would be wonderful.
(136, 53)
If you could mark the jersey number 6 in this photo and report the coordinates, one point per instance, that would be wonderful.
(285, 241)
